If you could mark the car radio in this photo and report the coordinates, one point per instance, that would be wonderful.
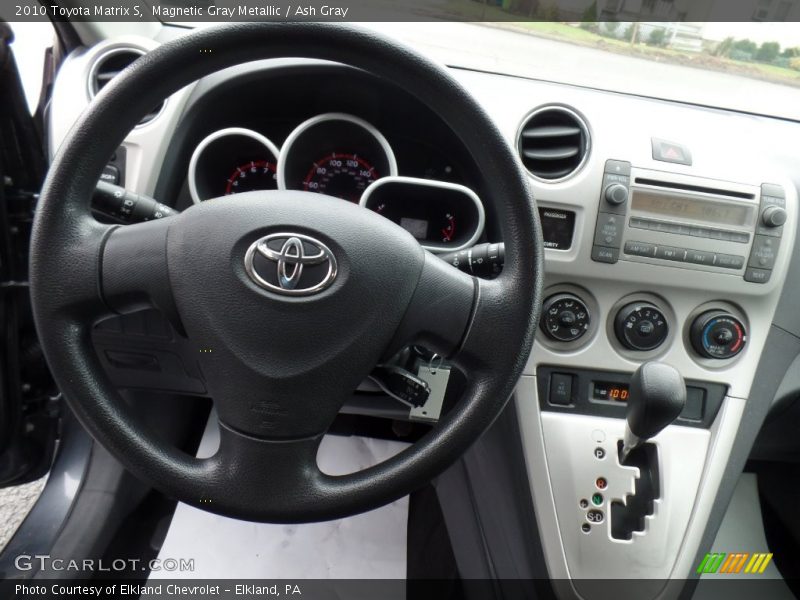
(688, 222)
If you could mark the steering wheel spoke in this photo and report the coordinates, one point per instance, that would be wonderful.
(440, 312)
(133, 271)
(274, 474)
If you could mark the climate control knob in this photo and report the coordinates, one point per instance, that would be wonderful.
(565, 318)
(718, 334)
(641, 326)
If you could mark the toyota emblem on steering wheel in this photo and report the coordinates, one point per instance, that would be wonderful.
(292, 264)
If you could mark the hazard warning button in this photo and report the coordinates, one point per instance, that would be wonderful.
(671, 152)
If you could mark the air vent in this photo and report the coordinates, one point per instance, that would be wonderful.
(108, 66)
(553, 143)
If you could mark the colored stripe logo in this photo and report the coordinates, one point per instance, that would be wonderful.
(735, 562)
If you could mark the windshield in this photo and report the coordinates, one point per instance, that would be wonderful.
(751, 67)
(745, 66)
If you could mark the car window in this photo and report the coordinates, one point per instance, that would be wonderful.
(30, 42)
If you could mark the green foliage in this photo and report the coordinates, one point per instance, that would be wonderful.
(589, 15)
(768, 51)
(741, 55)
(745, 45)
(611, 27)
(628, 32)
(657, 37)
(724, 48)
(791, 52)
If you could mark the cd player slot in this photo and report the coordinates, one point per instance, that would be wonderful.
(740, 237)
(694, 188)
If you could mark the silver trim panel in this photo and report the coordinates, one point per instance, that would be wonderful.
(582, 123)
(333, 116)
(445, 185)
(208, 140)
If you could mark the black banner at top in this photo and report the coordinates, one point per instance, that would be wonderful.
(196, 11)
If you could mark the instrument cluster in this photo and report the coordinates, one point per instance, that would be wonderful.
(344, 156)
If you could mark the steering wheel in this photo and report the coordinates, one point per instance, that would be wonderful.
(346, 286)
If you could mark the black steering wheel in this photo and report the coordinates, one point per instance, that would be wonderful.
(280, 365)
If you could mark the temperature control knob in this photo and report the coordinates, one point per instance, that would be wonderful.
(641, 326)
(718, 334)
(565, 318)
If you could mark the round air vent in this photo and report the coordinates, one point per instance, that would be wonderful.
(553, 143)
(108, 66)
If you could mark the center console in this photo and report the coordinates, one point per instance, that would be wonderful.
(659, 266)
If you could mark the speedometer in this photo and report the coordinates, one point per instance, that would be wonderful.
(335, 154)
(342, 175)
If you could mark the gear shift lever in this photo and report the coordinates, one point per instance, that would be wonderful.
(657, 396)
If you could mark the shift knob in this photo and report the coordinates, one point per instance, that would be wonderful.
(657, 396)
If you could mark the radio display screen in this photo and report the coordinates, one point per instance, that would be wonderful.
(692, 209)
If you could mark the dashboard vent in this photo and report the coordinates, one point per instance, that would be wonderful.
(108, 66)
(553, 143)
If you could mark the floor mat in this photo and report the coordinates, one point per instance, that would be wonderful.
(370, 545)
(15, 504)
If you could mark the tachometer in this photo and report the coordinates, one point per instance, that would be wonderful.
(335, 154)
(342, 175)
(255, 175)
(230, 161)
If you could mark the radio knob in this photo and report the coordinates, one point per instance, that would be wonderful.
(616, 194)
(717, 334)
(773, 216)
(641, 326)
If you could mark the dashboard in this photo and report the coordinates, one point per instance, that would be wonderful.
(669, 232)
(372, 147)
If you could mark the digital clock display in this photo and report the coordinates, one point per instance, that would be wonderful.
(609, 391)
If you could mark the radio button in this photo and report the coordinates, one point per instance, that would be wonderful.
(605, 255)
(773, 216)
(609, 230)
(757, 275)
(610, 180)
(764, 252)
(670, 253)
(772, 199)
(729, 261)
(699, 257)
(616, 194)
(640, 249)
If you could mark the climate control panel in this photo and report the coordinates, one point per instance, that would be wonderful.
(641, 326)
(717, 334)
(565, 318)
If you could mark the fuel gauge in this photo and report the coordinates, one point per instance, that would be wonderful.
(443, 216)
